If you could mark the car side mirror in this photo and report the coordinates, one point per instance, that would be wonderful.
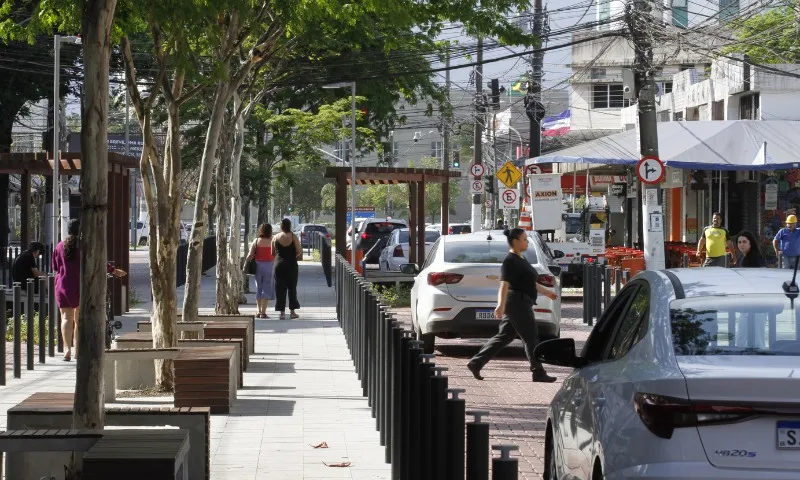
(559, 351)
(558, 254)
(409, 268)
(555, 270)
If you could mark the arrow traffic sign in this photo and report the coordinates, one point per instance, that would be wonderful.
(476, 187)
(509, 175)
(476, 169)
(533, 170)
(650, 170)
(509, 199)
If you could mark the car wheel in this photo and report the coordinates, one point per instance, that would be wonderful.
(549, 458)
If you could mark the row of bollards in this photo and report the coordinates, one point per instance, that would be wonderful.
(597, 285)
(421, 421)
(49, 328)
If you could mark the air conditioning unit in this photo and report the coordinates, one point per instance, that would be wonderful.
(746, 176)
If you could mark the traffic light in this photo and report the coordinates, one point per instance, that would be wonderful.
(489, 183)
(289, 209)
(456, 159)
(494, 85)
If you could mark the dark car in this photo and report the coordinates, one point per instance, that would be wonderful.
(306, 233)
(373, 231)
(459, 229)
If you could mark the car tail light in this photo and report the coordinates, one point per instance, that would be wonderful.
(450, 230)
(547, 281)
(438, 278)
(542, 310)
(364, 236)
(662, 415)
(398, 251)
(327, 235)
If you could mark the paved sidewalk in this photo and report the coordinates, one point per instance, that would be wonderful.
(300, 390)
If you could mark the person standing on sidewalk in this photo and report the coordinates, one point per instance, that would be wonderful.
(287, 250)
(717, 242)
(515, 300)
(787, 242)
(261, 252)
(750, 253)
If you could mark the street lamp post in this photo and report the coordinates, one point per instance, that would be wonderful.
(58, 219)
(352, 86)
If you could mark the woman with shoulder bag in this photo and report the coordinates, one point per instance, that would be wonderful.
(261, 252)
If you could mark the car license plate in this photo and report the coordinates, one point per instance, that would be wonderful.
(484, 314)
(789, 435)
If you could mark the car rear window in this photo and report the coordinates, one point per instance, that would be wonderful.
(382, 227)
(573, 225)
(740, 325)
(316, 228)
(459, 229)
(430, 236)
(480, 252)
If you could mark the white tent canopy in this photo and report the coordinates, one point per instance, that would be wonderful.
(710, 145)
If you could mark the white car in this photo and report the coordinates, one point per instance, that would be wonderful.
(395, 253)
(455, 293)
(689, 374)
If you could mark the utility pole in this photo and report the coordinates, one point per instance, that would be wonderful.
(446, 146)
(639, 19)
(533, 103)
(480, 109)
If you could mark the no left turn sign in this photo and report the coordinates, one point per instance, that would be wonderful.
(476, 170)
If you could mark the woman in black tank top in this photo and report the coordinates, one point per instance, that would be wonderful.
(286, 270)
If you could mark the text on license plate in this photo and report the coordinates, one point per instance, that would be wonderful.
(788, 435)
(484, 314)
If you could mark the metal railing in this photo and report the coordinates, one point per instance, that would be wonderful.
(48, 327)
(421, 421)
(8, 255)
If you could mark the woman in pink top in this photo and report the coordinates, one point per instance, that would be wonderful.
(262, 252)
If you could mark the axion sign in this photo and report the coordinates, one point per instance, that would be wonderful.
(546, 194)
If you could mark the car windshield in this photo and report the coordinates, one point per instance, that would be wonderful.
(735, 325)
(430, 236)
(573, 225)
(382, 227)
(480, 252)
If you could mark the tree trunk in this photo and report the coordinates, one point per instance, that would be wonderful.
(236, 277)
(191, 298)
(226, 302)
(88, 408)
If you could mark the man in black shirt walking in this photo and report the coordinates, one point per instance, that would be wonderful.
(515, 300)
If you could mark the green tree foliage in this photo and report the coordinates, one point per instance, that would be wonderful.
(770, 37)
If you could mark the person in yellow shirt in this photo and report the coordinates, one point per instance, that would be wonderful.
(717, 241)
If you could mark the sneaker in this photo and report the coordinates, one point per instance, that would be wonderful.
(476, 370)
(543, 377)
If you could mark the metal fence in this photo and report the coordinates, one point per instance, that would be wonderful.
(421, 421)
(8, 255)
(598, 279)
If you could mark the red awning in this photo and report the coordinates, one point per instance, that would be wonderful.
(567, 185)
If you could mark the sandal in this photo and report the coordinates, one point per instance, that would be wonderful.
(294, 315)
(67, 357)
(283, 316)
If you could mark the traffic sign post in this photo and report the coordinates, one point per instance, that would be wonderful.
(476, 187)
(509, 199)
(476, 170)
(650, 170)
(509, 175)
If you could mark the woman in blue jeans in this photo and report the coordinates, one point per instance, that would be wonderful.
(262, 252)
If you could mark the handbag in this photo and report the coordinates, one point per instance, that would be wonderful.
(250, 263)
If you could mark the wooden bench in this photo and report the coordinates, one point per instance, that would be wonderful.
(48, 410)
(225, 330)
(251, 319)
(186, 330)
(205, 376)
(132, 454)
(133, 340)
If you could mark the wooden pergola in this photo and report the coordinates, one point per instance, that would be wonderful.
(119, 202)
(416, 178)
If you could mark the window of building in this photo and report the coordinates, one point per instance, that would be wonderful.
(608, 95)
(677, 116)
(718, 110)
(728, 10)
(680, 13)
(395, 150)
(437, 150)
(667, 87)
(604, 14)
(750, 107)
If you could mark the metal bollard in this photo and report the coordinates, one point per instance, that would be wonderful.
(626, 275)
(393, 333)
(505, 467)
(42, 311)
(455, 411)
(477, 447)
(617, 280)
(685, 260)
(414, 407)
(4, 319)
(438, 439)
(55, 319)
(585, 276)
(423, 446)
(381, 352)
(607, 286)
(30, 322)
(405, 409)
(598, 291)
(588, 291)
(399, 418)
(17, 326)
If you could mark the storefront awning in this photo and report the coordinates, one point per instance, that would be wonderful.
(711, 145)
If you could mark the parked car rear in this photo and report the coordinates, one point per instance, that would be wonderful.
(395, 253)
(373, 231)
(305, 231)
(459, 228)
